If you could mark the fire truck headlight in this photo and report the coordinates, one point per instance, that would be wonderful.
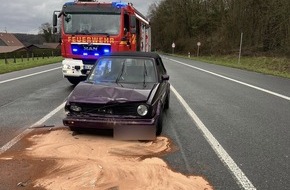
(66, 66)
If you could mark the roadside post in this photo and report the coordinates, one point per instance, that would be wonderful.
(6, 61)
(198, 45)
(240, 51)
(173, 46)
(188, 54)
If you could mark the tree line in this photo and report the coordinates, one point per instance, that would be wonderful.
(44, 35)
(218, 25)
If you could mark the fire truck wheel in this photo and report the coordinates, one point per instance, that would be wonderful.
(75, 80)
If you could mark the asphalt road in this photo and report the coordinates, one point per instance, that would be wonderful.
(229, 126)
(24, 101)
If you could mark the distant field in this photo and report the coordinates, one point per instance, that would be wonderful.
(267, 65)
(25, 64)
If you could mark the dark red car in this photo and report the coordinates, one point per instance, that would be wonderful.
(124, 90)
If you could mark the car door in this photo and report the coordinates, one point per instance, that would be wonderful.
(164, 86)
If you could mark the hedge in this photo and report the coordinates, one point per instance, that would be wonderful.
(33, 53)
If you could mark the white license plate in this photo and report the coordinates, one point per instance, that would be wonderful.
(88, 67)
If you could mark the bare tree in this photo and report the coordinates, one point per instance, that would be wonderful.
(46, 31)
(218, 25)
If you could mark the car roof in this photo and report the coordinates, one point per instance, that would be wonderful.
(134, 54)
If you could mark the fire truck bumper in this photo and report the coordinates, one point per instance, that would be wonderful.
(73, 68)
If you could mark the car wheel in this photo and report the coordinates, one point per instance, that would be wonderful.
(159, 125)
(75, 129)
(166, 105)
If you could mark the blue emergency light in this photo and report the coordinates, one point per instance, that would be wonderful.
(69, 3)
(85, 50)
(119, 4)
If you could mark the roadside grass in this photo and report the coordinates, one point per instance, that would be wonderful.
(267, 65)
(277, 66)
(21, 64)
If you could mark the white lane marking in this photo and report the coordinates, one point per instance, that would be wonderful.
(230, 79)
(17, 78)
(239, 175)
(28, 130)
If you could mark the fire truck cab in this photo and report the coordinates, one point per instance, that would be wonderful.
(90, 29)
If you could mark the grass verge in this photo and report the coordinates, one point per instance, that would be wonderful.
(20, 64)
(266, 65)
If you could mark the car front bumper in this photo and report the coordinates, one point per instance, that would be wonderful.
(124, 129)
(108, 122)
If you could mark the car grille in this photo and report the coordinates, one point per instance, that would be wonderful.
(89, 61)
(110, 109)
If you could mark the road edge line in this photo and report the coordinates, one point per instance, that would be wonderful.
(234, 80)
(238, 174)
(16, 139)
(25, 76)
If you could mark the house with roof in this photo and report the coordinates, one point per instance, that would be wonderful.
(46, 48)
(52, 46)
(32, 47)
(9, 43)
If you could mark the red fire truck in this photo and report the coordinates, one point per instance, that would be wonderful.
(90, 29)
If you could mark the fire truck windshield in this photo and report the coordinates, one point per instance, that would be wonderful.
(92, 24)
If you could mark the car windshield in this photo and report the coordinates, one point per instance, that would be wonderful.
(123, 70)
(92, 24)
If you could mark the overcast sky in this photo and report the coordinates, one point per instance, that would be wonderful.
(26, 16)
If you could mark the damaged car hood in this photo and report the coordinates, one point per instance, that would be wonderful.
(102, 94)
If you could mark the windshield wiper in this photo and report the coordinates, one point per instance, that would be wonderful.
(122, 72)
(145, 74)
(82, 32)
(104, 33)
(90, 82)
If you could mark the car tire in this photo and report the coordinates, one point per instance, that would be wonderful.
(75, 129)
(159, 125)
(166, 105)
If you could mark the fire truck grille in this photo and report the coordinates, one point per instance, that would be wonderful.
(90, 50)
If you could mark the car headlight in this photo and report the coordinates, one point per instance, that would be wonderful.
(75, 108)
(142, 110)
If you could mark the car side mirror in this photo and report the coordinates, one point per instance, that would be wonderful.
(54, 30)
(54, 20)
(165, 77)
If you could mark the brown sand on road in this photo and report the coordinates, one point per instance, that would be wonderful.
(97, 162)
